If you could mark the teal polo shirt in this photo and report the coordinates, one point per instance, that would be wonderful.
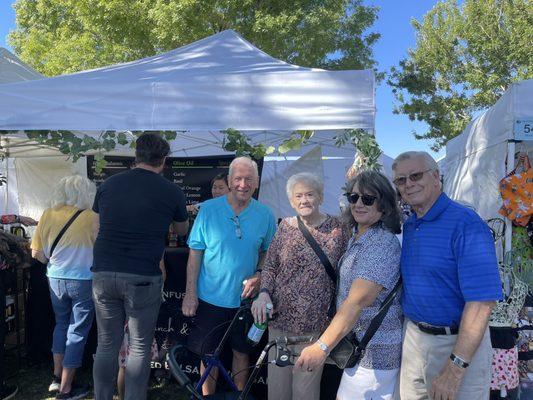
(448, 259)
(231, 246)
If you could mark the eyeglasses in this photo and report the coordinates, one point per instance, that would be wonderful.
(238, 230)
(414, 177)
(365, 198)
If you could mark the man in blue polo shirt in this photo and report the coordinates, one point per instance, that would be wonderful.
(450, 285)
(228, 240)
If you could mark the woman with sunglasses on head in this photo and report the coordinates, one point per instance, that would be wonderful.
(368, 272)
(295, 281)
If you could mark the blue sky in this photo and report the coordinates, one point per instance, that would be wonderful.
(393, 132)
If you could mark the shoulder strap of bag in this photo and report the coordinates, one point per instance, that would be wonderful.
(62, 232)
(318, 251)
(378, 319)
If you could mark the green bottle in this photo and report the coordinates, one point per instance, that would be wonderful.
(256, 331)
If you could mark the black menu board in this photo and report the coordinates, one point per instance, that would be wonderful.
(192, 174)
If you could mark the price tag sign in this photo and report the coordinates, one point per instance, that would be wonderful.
(523, 129)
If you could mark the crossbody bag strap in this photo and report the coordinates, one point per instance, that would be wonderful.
(378, 319)
(318, 250)
(62, 231)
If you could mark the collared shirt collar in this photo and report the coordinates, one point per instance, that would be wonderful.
(368, 232)
(436, 209)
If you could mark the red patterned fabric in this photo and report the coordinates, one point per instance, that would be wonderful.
(504, 369)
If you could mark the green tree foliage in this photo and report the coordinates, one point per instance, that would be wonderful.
(466, 56)
(64, 36)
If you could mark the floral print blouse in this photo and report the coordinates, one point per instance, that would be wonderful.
(299, 285)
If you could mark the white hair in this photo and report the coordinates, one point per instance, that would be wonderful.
(245, 161)
(428, 160)
(74, 191)
(306, 178)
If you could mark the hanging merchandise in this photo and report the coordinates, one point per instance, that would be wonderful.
(516, 190)
(506, 311)
(522, 252)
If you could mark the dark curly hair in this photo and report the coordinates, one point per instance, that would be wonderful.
(376, 184)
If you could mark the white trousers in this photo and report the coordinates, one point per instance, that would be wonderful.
(360, 383)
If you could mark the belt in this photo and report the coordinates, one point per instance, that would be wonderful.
(437, 330)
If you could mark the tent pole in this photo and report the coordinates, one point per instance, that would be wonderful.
(6, 188)
(508, 223)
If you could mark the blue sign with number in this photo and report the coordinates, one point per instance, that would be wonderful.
(523, 129)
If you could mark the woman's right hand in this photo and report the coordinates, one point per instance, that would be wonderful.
(259, 310)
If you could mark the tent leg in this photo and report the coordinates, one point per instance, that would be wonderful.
(508, 223)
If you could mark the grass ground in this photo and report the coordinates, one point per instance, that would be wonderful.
(33, 383)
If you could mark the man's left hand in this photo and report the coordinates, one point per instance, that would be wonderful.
(251, 287)
(446, 385)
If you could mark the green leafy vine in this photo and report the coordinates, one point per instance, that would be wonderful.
(76, 146)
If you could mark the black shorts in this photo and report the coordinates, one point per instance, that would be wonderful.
(209, 326)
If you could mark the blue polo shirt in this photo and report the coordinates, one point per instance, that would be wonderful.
(448, 258)
(231, 247)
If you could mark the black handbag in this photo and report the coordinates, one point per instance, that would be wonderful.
(324, 260)
(348, 352)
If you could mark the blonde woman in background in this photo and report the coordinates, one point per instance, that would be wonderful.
(69, 277)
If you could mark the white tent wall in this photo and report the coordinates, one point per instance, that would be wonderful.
(332, 170)
(476, 159)
(8, 192)
(36, 178)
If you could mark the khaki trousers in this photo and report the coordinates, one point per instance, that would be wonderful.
(424, 356)
(283, 384)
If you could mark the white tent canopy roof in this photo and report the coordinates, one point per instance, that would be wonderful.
(216, 83)
(12, 69)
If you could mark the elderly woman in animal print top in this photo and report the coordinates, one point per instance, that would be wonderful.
(296, 282)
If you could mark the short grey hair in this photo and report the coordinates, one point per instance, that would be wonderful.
(306, 178)
(74, 190)
(243, 160)
(428, 160)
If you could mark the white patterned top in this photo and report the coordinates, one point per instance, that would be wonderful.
(375, 257)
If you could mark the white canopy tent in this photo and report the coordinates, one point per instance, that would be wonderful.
(198, 90)
(216, 83)
(12, 69)
(483, 154)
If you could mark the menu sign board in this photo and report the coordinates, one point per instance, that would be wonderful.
(192, 174)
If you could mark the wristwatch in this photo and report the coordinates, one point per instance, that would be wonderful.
(458, 361)
(323, 346)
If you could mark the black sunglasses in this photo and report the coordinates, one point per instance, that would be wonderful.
(365, 198)
(415, 177)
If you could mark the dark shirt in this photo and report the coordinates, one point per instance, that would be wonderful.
(136, 208)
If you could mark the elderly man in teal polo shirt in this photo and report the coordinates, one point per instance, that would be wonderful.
(227, 243)
(450, 285)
